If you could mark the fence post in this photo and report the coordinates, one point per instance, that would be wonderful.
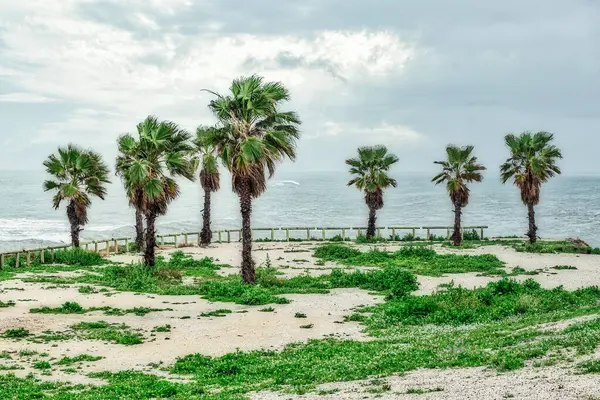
(414, 233)
(393, 234)
(219, 236)
(307, 234)
(17, 259)
(323, 231)
(272, 234)
(176, 237)
(162, 240)
(199, 238)
(481, 237)
(1, 261)
(42, 256)
(52, 255)
(379, 233)
(287, 235)
(447, 233)
(87, 246)
(240, 235)
(343, 235)
(126, 245)
(116, 246)
(185, 239)
(28, 258)
(107, 248)
(428, 234)
(358, 229)
(228, 236)
(95, 248)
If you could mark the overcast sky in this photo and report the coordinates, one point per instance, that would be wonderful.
(414, 75)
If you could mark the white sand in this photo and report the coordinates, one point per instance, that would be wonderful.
(261, 330)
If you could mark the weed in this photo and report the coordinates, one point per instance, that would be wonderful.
(115, 333)
(16, 333)
(68, 307)
(42, 365)
(590, 367)
(9, 303)
(162, 328)
(267, 309)
(424, 390)
(564, 267)
(216, 313)
(87, 290)
(78, 359)
(308, 326)
(299, 315)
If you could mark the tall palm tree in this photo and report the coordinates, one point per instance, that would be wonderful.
(78, 174)
(210, 178)
(128, 150)
(532, 162)
(460, 168)
(370, 169)
(256, 135)
(160, 152)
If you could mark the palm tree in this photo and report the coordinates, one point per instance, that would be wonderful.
(532, 162)
(128, 150)
(256, 135)
(160, 152)
(210, 178)
(78, 175)
(370, 169)
(460, 168)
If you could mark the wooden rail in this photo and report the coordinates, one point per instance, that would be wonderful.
(122, 245)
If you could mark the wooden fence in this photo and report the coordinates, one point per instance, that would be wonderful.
(113, 246)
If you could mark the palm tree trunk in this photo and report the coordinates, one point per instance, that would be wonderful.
(74, 224)
(139, 230)
(248, 271)
(457, 234)
(372, 220)
(206, 234)
(532, 234)
(149, 259)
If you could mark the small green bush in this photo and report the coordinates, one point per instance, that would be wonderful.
(333, 252)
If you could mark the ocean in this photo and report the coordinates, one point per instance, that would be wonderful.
(570, 207)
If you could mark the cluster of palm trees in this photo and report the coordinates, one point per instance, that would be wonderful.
(532, 162)
(251, 137)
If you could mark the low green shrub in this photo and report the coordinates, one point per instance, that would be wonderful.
(498, 300)
(334, 252)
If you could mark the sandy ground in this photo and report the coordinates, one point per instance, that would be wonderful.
(544, 383)
(247, 328)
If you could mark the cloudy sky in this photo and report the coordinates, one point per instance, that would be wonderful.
(414, 75)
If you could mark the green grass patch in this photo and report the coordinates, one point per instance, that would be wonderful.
(162, 328)
(114, 333)
(16, 333)
(7, 304)
(564, 267)
(74, 308)
(43, 365)
(216, 313)
(555, 247)
(78, 359)
(495, 302)
(589, 367)
(416, 259)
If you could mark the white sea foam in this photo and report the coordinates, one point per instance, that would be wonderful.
(286, 183)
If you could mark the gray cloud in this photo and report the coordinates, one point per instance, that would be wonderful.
(481, 69)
